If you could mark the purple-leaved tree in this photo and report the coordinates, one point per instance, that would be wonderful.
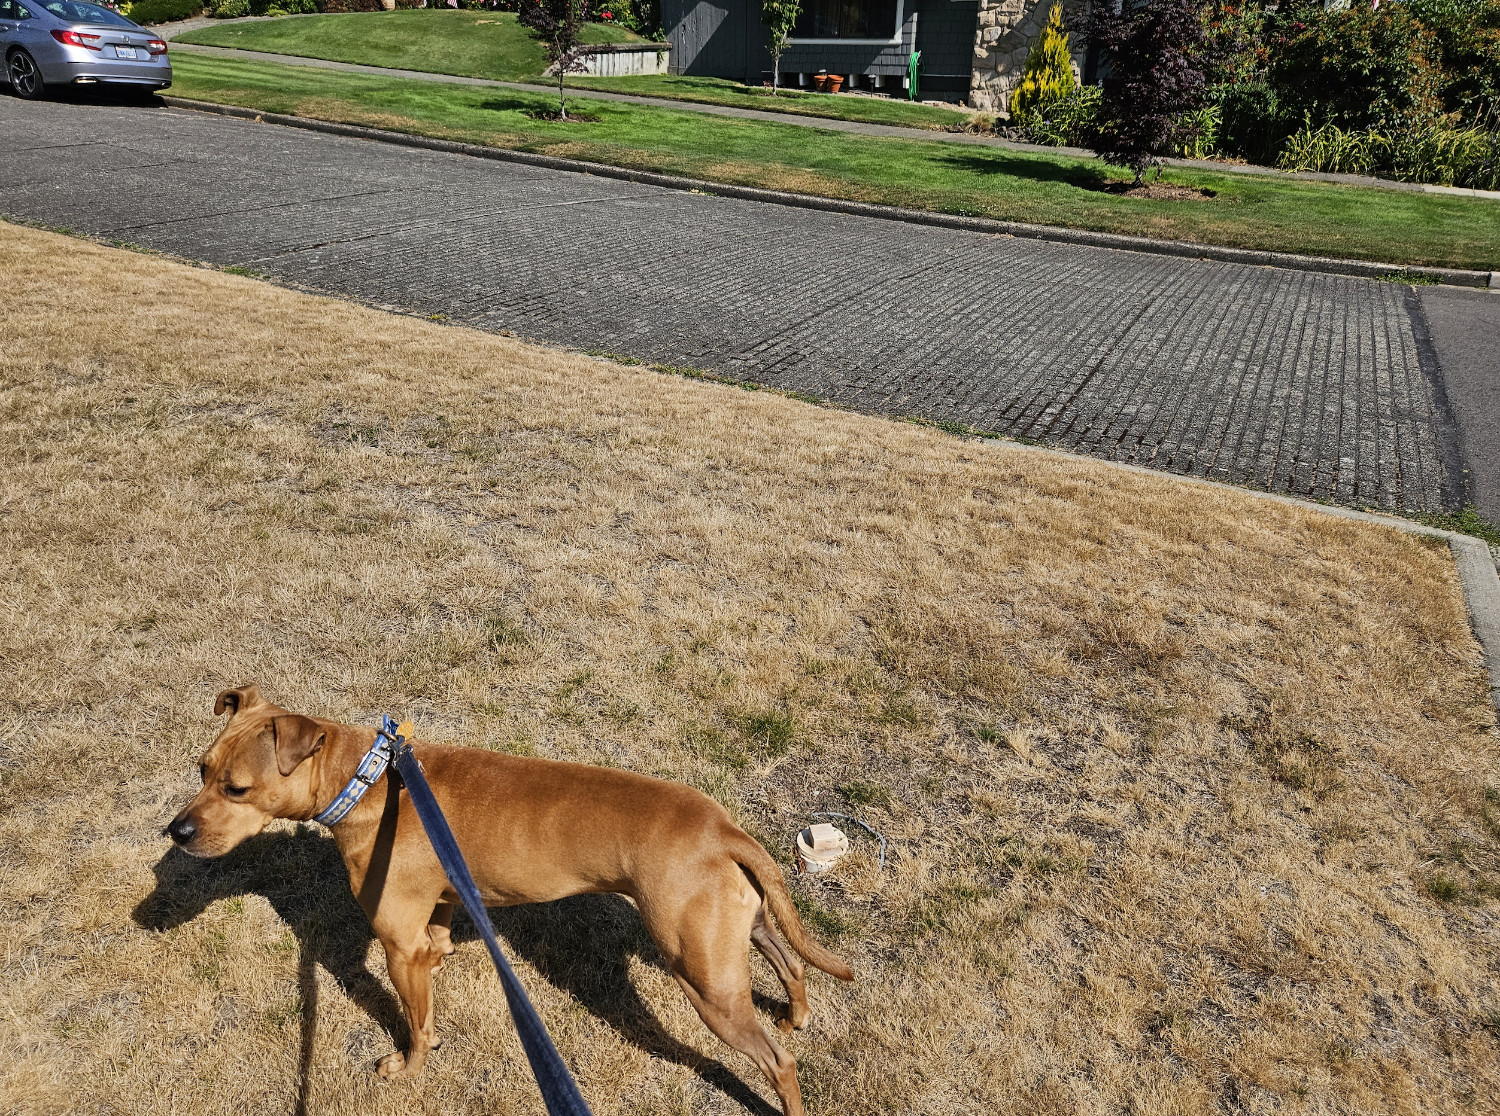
(556, 25)
(1153, 76)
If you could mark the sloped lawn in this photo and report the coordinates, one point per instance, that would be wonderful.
(470, 44)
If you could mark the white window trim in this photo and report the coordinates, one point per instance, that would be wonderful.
(895, 40)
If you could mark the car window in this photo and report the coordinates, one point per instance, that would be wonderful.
(9, 9)
(75, 11)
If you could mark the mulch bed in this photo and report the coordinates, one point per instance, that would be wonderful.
(571, 118)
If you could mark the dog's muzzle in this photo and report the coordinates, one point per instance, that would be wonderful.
(182, 830)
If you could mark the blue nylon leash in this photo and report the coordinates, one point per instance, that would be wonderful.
(559, 1090)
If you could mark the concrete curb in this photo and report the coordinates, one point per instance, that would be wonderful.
(1182, 249)
(1476, 571)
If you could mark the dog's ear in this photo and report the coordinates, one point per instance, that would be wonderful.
(236, 699)
(297, 738)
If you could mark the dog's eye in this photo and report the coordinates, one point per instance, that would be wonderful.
(236, 792)
(203, 772)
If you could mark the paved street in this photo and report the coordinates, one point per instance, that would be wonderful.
(1295, 382)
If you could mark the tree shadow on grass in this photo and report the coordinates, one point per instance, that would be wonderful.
(1037, 168)
(582, 946)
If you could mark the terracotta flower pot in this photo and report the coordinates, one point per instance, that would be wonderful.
(820, 82)
(835, 82)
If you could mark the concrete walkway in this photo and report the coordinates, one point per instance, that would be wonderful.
(887, 131)
(1317, 385)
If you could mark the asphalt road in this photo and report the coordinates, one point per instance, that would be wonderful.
(1465, 328)
(1317, 385)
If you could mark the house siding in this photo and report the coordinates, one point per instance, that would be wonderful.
(709, 37)
(724, 38)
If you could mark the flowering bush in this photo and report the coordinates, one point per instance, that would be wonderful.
(1234, 44)
(1466, 42)
(640, 16)
(1357, 68)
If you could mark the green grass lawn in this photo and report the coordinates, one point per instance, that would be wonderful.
(492, 45)
(471, 44)
(721, 91)
(1312, 218)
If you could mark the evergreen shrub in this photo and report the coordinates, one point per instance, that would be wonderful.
(1048, 76)
(1253, 125)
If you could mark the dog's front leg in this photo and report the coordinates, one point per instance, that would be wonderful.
(411, 958)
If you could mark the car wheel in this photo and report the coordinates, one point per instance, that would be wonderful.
(25, 77)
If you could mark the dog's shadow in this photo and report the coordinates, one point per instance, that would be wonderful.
(582, 946)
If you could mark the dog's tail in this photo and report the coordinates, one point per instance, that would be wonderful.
(748, 854)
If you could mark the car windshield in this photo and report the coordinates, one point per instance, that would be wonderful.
(72, 11)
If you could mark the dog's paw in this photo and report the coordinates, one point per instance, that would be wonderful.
(787, 1021)
(392, 1066)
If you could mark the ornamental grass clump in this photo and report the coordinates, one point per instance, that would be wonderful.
(1069, 122)
(1466, 157)
(1049, 71)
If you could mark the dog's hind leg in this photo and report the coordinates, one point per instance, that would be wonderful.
(709, 956)
(789, 970)
(729, 1013)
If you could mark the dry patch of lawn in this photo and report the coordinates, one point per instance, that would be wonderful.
(1191, 796)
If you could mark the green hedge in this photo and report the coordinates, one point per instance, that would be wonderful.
(163, 11)
(1253, 122)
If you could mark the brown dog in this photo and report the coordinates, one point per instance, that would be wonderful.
(532, 830)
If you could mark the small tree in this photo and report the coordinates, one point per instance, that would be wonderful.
(1150, 51)
(779, 16)
(556, 24)
(1049, 70)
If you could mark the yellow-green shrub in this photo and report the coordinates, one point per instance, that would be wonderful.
(1049, 70)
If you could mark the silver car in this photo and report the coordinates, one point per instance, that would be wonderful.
(69, 42)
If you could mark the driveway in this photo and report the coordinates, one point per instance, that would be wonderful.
(1317, 385)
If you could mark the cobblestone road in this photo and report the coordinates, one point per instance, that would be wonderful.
(1291, 381)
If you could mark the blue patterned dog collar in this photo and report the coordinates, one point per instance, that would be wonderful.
(366, 775)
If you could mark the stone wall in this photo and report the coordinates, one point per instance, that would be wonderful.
(1005, 35)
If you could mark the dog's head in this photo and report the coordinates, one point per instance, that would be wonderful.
(255, 770)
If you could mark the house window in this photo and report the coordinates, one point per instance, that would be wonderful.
(847, 19)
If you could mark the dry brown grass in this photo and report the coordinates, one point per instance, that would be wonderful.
(1187, 790)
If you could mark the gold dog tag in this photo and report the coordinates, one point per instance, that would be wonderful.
(406, 731)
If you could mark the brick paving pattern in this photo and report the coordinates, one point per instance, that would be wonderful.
(1290, 381)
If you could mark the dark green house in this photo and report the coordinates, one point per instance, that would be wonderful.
(971, 50)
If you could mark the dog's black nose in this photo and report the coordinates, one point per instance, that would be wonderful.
(182, 830)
